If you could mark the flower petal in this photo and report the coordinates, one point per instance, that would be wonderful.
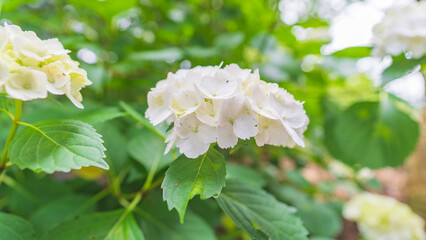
(187, 125)
(225, 136)
(207, 134)
(27, 84)
(245, 126)
(192, 147)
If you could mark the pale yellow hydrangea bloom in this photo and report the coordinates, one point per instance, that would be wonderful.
(30, 68)
(384, 218)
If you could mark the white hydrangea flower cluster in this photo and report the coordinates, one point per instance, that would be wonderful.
(31, 67)
(384, 218)
(209, 104)
(403, 29)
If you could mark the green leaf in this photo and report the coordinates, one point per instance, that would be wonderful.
(57, 145)
(160, 224)
(319, 218)
(201, 52)
(372, 134)
(13, 227)
(140, 119)
(297, 178)
(128, 229)
(331, 112)
(11, 5)
(53, 213)
(100, 116)
(106, 8)
(207, 209)
(287, 193)
(136, 173)
(146, 147)
(115, 142)
(188, 177)
(164, 54)
(4, 102)
(320, 238)
(92, 226)
(96, 73)
(26, 195)
(353, 52)
(244, 173)
(259, 213)
(314, 23)
(46, 109)
(399, 68)
(229, 40)
(240, 144)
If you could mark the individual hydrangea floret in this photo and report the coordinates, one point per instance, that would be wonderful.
(384, 218)
(30, 68)
(213, 104)
(402, 30)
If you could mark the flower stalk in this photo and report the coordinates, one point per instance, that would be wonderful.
(12, 133)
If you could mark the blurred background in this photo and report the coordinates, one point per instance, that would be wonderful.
(320, 51)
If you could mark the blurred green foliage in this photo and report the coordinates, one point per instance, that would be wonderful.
(137, 42)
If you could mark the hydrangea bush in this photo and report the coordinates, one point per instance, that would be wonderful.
(222, 152)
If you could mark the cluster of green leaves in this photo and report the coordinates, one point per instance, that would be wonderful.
(61, 145)
(241, 194)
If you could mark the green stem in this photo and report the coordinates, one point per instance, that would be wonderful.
(134, 203)
(116, 180)
(128, 210)
(12, 133)
(115, 185)
(138, 197)
(151, 174)
(2, 176)
(8, 113)
(140, 119)
(155, 184)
